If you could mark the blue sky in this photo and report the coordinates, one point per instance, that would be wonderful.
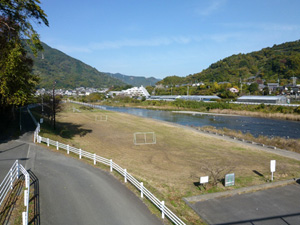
(161, 38)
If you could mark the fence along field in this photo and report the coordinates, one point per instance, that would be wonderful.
(113, 166)
(172, 166)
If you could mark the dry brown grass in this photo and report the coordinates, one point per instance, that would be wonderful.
(173, 166)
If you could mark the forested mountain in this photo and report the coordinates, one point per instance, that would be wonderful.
(52, 64)
(278, 62)
(135, 81)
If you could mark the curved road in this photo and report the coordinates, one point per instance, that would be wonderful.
(69, 191)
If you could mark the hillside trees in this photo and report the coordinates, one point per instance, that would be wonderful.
(17, 83)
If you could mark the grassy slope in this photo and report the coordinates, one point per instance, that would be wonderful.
(172, 166)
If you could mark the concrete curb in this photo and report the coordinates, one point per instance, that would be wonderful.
(239, 191)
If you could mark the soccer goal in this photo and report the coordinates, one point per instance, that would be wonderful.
(76, 110)
(101, 118)
(144, 138)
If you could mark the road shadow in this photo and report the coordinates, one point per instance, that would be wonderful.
(34, 186)
(293, 218)
(12, 128)
(9, 203)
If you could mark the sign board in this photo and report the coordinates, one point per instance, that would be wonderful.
(41, 120)
(229, 179)
(273, 165)
(204, 180)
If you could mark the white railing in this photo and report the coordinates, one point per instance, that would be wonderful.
(113, 166)
(8, 183)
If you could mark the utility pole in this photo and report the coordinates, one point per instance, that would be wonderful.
(20, 118)
(53, 105)
(241, 86)
(42, 104)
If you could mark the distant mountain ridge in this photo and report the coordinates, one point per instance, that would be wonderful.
(135, 81)
(53, 65)
(280, 62)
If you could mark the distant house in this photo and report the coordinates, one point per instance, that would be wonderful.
(233, 90)
(263, 99)
(272, 86)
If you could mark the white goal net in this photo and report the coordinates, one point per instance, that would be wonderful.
(144, 138)
(101, 118)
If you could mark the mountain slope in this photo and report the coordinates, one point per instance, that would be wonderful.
(52, 64)
(278, 62)
(135, 81)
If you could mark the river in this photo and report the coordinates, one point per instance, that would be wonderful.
(254, 125)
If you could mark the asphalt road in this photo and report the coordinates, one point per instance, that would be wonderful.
(277, 206)
(69, 191)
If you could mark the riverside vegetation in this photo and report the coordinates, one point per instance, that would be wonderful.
(262, 110)
(172, 167)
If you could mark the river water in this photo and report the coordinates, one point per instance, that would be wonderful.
(255, 126)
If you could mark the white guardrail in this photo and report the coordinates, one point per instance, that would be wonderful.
(165, 211)
(8, 183)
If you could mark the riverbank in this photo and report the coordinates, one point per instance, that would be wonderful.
(262, 111)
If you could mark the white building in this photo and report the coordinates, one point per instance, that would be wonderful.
(137, 91)
(132, 92)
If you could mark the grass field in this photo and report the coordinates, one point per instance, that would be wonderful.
(170, 168)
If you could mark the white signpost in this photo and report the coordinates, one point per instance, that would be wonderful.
(41, 120)
(204, 180)
(272, 167)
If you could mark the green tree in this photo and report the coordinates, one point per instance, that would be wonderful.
(17, 83)
(253, 88)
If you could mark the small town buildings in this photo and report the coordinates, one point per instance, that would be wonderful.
(263, 99)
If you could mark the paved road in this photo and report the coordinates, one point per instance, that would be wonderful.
(277, 206)
(69, 191)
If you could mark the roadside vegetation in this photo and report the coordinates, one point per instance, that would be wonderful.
(171, 168)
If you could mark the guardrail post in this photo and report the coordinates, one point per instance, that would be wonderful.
(34, 137)
(162, 209)
(94, 158)
(27, 181)
(48, 142)
(25, 197)
(68, 149)
(11, 179)
(57, 145)
(24, 218)
(80, 153)
(142, 191)
(18, 169)
(125, 175)
(111, 166)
